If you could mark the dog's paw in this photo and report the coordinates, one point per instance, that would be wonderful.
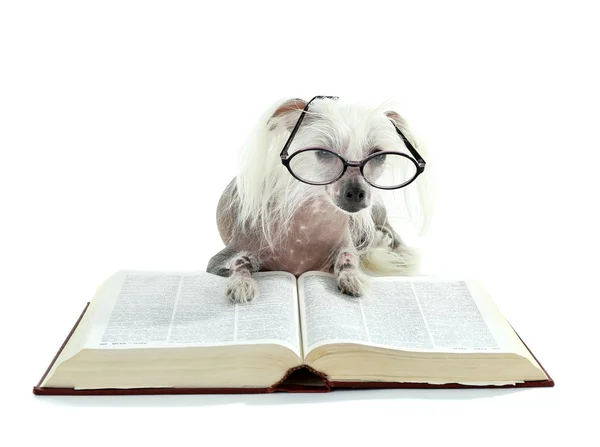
(242, 289)
(352, 282)
(384, 238)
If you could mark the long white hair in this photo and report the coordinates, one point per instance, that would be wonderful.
(268, 196)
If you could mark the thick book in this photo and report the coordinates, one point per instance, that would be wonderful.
(178, 333)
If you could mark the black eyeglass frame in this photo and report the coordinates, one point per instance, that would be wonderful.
(285, 158)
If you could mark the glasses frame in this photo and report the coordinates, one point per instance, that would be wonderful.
(416, 158)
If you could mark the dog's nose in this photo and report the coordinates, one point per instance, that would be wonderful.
(355, 194)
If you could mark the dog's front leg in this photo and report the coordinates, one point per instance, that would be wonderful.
(239, 266)
(242, 287)
(351, 280)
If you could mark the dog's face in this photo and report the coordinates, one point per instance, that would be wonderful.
(353, 132)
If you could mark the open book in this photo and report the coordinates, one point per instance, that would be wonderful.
(177, 332)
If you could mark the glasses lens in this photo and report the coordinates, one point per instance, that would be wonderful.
(316, 165)
(389, 170)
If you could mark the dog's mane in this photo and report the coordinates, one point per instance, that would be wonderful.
(268, 196)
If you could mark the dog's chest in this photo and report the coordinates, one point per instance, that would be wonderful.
(313, 237)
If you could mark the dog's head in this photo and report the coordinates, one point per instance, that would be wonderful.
(354, 132)
(268, 195)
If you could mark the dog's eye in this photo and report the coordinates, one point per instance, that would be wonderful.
(325, 156)
(379, 159)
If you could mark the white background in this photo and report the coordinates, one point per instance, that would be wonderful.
(120, 124)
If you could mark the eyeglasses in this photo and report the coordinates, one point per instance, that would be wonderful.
(381, 169)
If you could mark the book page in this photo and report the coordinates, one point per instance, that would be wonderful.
(152, 309)
(406, 313)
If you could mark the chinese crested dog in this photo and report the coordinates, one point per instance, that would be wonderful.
(307, 196)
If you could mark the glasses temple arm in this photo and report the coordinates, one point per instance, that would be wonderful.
(410, 147)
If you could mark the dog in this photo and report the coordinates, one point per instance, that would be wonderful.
(307, 196)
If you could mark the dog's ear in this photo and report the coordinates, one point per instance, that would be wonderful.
(396, 119)
(291, 105)
(402, 125)
(286, 113)
(418, 201)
